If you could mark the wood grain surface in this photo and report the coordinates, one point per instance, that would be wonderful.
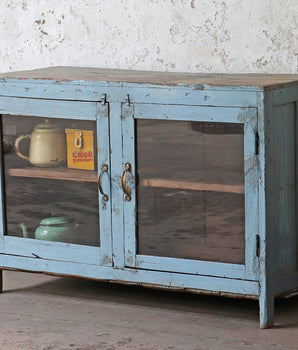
(55, 173)
(148, 77)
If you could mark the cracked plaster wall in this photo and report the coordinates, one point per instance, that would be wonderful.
(169, 35)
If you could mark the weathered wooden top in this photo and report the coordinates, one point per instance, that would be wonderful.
(155, 78)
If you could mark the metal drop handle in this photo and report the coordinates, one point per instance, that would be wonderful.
(105, 168)
(123, 182)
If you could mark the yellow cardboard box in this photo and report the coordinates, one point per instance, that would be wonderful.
(80, 149)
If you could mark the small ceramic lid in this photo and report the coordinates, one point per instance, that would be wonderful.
(47, 126)
(53, 221)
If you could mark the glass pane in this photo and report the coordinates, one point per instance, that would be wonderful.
(51, 179)
(190, 191)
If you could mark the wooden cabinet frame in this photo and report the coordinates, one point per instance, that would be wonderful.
(246, 116)
(25, 247)
(265, 104)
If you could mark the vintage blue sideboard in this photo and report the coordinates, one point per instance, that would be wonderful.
(170, 180)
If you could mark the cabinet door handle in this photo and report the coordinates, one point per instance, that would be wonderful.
(126, 191)
(105, 168)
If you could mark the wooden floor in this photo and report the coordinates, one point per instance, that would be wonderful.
(40, 312)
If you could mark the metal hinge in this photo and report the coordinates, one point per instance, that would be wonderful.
(257, 245)
(257, 140)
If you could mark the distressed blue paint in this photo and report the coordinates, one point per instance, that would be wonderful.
(193, 113)
(54, 250)
(296, 177)
(138, 94)
(251, 105)
(127, 85)
(48, 108)
(128, 156)
(207, 268)
(117, 194)
(251, 196)
(266, 299)
(103, 157)
(277, 212)
(1, 196)
(151, 278)
(222, 114)
(284, 96)
(281, 188)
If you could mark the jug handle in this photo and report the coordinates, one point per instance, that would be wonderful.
(18, 140)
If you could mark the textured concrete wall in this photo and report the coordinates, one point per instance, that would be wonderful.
(174, 35)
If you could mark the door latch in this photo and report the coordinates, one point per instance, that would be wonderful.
(257, 245)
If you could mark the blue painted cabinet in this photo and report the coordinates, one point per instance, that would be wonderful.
(187, 208)
(45, 202)
(181, 181)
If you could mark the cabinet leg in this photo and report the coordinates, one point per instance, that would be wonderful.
(266, 305)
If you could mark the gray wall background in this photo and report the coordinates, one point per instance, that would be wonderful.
(168, 35)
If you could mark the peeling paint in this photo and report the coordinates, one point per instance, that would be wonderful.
(199, 87)
(241, 117)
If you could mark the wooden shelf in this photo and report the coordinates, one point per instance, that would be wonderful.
(91, 176)
(55, 173)
(196, 186)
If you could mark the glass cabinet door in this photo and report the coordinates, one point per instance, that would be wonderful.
(189, 191)
(53, 169)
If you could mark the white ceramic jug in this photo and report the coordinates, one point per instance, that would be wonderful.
(47, 145)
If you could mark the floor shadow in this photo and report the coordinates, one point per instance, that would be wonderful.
(136, 295)
(286, 312)
(286, 309)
